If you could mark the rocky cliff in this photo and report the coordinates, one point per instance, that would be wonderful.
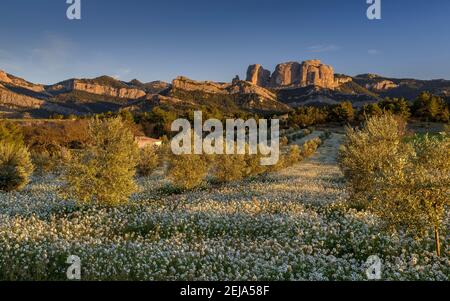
(187, 84)
(99, 86)
(382, 85)
(257, 75)
(239, 93)
(314, 73)
(294, 75)
(19, 82)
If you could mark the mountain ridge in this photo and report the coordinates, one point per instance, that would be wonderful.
(290, 85)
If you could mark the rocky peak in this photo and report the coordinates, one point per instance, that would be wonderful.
(4, 77)
(257, 75)
(286, 74)
(314, 73)
(294, 74)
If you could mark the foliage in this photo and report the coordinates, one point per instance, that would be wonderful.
(396, 106)
(50, 162)
(9, 132)
(431, 108)
(187, 171)
(308, 116)
(227, 168)
(149, 160)
(343, 112)
(15, 166)
(406, 184)
(365, 153)
(52, 136)
(104, 173)
(370, 110)
(310, 147)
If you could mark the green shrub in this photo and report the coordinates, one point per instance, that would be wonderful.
(15, 166)
(343, 112)
(104, 172)
(149, 160)
(431, 108)
(253, 165)
(406, 184)
(294, 155)
(9, 132)
(310, 147)
(366, 152)
(187, 171)
(50, 162)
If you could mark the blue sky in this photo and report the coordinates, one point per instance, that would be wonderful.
(215, 40)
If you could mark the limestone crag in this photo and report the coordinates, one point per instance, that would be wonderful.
(4, 77)
(15, 81)
(314, 73)
(342, 79)
(383, 85)
(13, 100)
(243, 87)
(94, 88)
(257, 75)
(294, 74)
(187, 84)
(286, 74)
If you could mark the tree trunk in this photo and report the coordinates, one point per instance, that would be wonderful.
(438, 243)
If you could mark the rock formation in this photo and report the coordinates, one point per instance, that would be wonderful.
(382, 85)
(4, 77)
(16, 81)
(98, 89)
(314, 73)
(294, 74)
(257, 75)
(286, 74)
(342, 79)
(187, 84)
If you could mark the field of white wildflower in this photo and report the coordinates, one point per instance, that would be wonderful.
(291, 225)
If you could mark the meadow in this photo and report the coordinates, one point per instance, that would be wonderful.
(291, 224)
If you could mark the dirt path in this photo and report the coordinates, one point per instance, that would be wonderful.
(315, 180)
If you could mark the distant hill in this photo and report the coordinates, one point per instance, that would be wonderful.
(290, 85)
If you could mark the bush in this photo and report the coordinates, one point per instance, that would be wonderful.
(343, 112)
(366, 152)
(294, 155)
(396, 106)
(406, 184)
(47, 162)
(415, 197)
(253, 165)
(187, 171)
(15, 166)
(149, 160)
(51, 136)
(9, 132)
(431, 108)
(310, 147)
(104, 173)
(307, 116)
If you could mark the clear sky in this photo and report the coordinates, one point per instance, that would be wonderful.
(215, 40)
